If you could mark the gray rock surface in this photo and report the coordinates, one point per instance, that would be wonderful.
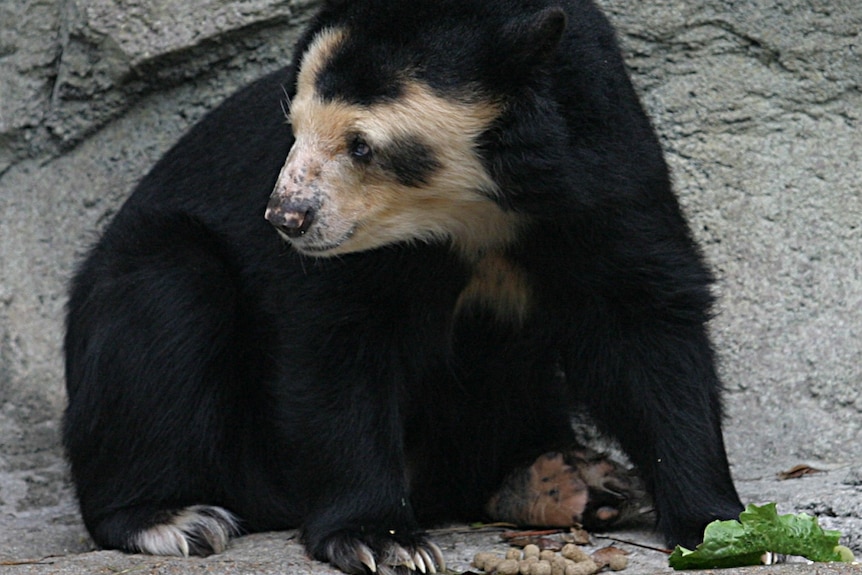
(759, 106)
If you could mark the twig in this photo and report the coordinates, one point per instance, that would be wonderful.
(535, 533)
(473, 528)
(641, 545)
(42, 561)
(133, 568)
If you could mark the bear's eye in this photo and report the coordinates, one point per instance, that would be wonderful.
(359, 149)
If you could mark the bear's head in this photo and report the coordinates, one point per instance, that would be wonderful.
(389, 126)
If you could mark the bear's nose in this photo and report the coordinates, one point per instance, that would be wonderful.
(293, 220)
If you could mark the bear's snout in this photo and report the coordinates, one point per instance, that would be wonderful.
(293, 219)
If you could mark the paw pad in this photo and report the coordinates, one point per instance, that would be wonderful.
(562, 490)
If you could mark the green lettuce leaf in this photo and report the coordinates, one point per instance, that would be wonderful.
(759, 530)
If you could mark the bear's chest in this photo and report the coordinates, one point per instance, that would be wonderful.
(497, 284)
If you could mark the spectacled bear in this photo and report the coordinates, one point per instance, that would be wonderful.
(382, 310)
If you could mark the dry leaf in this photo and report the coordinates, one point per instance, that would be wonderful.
(798, 471)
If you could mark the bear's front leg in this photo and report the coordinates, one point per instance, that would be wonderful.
(366, 524)
(360, 518)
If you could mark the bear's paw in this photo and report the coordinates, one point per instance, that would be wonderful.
(360, 553)
(562, 490)
(197, 530)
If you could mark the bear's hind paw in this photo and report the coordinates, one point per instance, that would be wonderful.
(561, 490)
(617, 495)
(549, 493)
(196, 530)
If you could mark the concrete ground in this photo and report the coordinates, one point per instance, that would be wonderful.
(50, 539)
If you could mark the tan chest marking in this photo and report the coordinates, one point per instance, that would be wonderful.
(498, 285)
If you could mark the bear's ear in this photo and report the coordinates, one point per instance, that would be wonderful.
(534, 39)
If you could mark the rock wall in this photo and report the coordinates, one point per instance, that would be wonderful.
(758, 104)
(92, 92)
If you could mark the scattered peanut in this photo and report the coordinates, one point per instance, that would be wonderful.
(540, 568)
(508, 567)
(587, 567)
(525, 564)
(572, 560)
(513, 554)
(480, 558)
(618, 562)
(547, 555)
(573, 552)
(558, 566)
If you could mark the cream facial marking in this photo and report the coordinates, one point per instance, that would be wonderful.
(418, 176)
(497, 284)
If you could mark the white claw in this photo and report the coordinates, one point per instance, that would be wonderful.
(366, 557)
(419, 561)
(438, 555)
(403, 558)
(429, 563)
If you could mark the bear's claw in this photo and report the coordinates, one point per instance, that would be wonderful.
(381, 555)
